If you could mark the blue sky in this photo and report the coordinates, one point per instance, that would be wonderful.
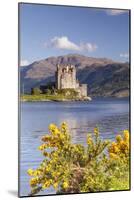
(47, 31)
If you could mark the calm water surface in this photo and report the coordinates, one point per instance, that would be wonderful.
(111, 115)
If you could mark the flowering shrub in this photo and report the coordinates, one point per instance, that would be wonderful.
(74, 168)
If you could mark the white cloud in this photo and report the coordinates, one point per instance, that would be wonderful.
(65, 44)
(116, 12)
(88, 47)
(124, 55)
(24, 62)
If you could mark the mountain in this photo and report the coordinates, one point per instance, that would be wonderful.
(104, 77)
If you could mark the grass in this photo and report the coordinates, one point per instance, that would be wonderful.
(46, 97)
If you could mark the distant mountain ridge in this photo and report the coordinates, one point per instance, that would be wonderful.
(104, 77)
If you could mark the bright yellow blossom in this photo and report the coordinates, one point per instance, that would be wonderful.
(46, 184)
(126, 135)
(89, 139)
(118, 138)
(67, 165)
(96, 131)
(65, 184)
(30, 172)
(64, 126)
(33, 181)
(36, 172)
(55, 185)
(52, 127)
(113, 156)
(42, 147)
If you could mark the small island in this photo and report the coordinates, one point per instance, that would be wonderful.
(65, 88)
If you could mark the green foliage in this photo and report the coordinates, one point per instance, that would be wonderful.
(42, 97)
(36, 91)
(68, 92)
(51, 95)
(48, 91)
(51, 85)
(74, 168)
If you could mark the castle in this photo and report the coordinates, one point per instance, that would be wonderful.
(66, 79)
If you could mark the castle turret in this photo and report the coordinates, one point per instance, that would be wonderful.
(58, 74)
(66, 76)
(66, 79)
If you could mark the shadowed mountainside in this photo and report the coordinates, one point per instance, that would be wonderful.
(104, 77)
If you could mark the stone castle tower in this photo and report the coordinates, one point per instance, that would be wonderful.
(66, 79)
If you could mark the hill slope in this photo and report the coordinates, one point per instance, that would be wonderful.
(103, 76)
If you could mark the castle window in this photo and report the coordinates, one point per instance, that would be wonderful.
(70, 70)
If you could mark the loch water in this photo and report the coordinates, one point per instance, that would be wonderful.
(111, 115)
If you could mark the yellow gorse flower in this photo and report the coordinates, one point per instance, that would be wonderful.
(121, 146)
(89, 139)
(66, 162)
(33, 181)
(37, 172)
(64, 126)
(126, 135)
(48, 167)
(96, 131)
(55, 185)
(118, 138)
(46, 138)
(42, 147)
(52, 127)
(113, 156)
(30, 172)
(65, 184)
(46, 184)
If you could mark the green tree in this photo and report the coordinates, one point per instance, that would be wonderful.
(35, 91)
(48, 91)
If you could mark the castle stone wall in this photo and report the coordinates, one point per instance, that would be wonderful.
(66, 79)
(83, 89)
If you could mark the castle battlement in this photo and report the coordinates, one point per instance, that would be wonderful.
(65, 68)
(66, 79)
